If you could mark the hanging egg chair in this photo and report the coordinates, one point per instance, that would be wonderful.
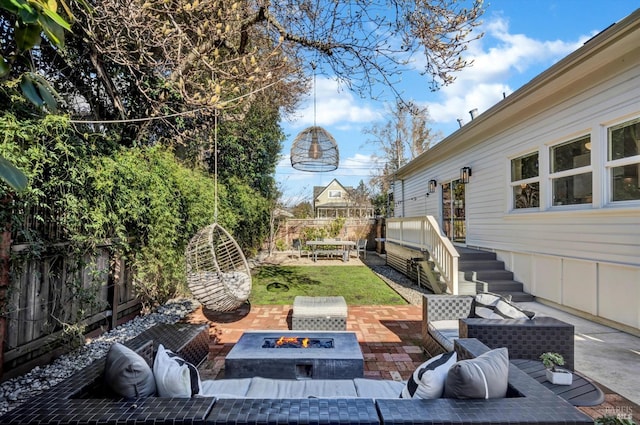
(218, 274)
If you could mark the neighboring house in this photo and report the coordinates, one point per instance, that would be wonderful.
(554, 180)
(336, 200)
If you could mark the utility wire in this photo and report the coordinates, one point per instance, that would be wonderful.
(177, 114)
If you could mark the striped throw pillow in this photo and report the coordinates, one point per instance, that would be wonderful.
(427, 381)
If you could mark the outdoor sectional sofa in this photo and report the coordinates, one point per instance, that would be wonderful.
(81, 399)
(448, 317)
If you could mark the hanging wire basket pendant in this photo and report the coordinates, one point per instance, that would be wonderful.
(314, 149)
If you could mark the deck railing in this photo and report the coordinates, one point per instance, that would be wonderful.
(424, 233)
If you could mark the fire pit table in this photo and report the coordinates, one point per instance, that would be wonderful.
(295, 355)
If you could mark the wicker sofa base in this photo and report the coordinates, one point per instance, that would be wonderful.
(319, 314)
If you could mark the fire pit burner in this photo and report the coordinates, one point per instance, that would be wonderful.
(297, 342)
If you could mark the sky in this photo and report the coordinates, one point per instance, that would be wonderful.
(522, 39)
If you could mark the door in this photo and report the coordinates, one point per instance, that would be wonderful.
(453, 211)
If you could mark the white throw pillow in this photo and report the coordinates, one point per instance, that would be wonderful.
(492, 306)
(484, 303)
(506, 310)
(428, 379)
(174, 376)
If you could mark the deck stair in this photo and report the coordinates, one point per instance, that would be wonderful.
(489, 273)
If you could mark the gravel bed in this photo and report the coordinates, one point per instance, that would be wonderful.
(17, 390)
(404, 286)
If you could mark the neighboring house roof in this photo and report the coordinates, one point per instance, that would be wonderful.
(279, 212)
(569, 75)
(348, 200)
(319, 190)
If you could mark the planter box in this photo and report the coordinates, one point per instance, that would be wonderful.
(560, 377)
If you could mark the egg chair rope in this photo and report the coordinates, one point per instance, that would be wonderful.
(218, 274)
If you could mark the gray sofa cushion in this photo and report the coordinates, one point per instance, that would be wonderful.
(485, 376)
(225, 388)
(378, 388)
(445, 332)
(128, 374)
(291, 388)
(258, 387)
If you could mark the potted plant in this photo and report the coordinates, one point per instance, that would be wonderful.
(555, 374)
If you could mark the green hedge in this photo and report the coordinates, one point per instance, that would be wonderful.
(142, 198)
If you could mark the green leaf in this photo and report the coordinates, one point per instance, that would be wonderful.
(47, 94)
(54, 32)
(16, 6)
(56, 18)
(27, 36)
(28, 14)
(29, 90)
(12, 175)
(4, 67)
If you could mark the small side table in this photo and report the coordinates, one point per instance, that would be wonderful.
(582, 392)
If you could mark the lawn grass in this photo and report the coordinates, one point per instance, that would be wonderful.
(279, 285)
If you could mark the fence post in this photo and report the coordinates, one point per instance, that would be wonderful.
(114, 278)
(5, 268)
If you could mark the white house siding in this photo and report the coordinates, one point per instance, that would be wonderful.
(583, 257)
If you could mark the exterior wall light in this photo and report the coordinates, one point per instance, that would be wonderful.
(432, 186)
(465, 173)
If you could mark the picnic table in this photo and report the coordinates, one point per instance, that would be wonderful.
(336, 245)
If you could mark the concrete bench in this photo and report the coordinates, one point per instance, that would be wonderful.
(319, 314)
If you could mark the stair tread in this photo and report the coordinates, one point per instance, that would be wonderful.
(517, 296)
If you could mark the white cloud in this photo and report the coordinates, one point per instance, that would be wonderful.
(510, 59)
(334, 106)
(481, 97)
(359, 165)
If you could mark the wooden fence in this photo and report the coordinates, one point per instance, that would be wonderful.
(57, 291)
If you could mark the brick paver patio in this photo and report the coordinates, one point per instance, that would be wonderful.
(389, 337)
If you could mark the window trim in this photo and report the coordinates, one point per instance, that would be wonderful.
(512, 184)
(610, 164)
(585, 169)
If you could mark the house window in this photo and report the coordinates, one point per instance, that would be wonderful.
(571, 173)
(623, 161)
(335, 194)
(525, 181)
